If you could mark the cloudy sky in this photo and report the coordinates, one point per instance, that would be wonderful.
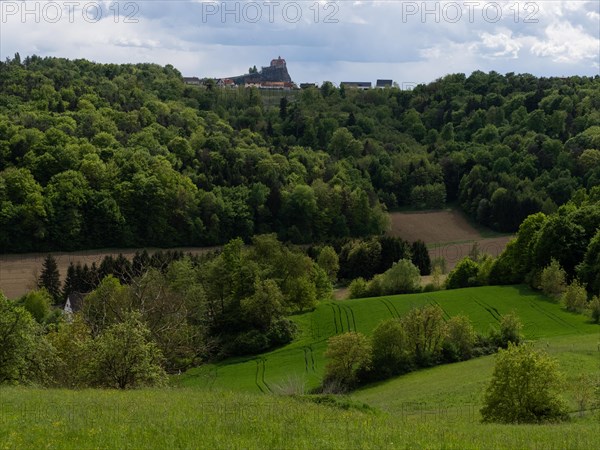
(409, 42)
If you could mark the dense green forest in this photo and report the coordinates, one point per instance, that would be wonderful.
(96, 155)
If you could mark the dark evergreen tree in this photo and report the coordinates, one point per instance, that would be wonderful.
(141, 261)
(351, 120)
(107, 267)
(79, 279)
(420, 257)
(123, 269)
(50, 278)
(393, 249)
(70, 284)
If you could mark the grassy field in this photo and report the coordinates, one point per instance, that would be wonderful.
(455, 390)
(193, 418)
(302, 361)
(230, 405)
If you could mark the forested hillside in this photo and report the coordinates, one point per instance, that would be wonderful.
(96, 155)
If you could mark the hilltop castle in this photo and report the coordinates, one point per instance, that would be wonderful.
(274, 76)
(274, 73)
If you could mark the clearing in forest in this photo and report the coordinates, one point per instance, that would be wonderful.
(447, 233)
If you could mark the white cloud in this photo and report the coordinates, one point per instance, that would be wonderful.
(565, 43)
(502, 44)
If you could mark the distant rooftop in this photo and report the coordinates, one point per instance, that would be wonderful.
(356, 84)
(384, 83)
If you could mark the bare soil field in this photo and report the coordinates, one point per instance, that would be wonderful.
(453, 253)
(447, 233)
(433, 227)
(19, 272)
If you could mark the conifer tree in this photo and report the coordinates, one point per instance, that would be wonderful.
(50, 278)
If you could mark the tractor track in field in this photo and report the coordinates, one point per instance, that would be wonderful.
(493, 313)
(308, 355)
(334, 318)
(553, 316)
(259, 376)
(390, 307)
(339, 310)
(348, 308)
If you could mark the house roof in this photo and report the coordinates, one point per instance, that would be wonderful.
(384, 83)
(74, 302)
(356, 83)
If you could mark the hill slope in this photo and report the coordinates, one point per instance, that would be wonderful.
(303, 359)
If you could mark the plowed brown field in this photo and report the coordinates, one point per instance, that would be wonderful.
(18, 272)
(447, 233)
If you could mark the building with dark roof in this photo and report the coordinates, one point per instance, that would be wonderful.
(384, 83)
(356, 84)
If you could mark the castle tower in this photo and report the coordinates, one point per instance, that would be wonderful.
(279, 62)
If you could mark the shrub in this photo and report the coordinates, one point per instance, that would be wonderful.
(509, 399)
(391, 355)
(574, 298)
(460, 339)
(509, 332)
(281, 332)
(583, 387)
(292, 385)
(430, 287)
(375, 286)
(347, 353)
(425, 331)
(38, 304)
(18, 333)
(401, 278)
(463, 275)
(74, 353)
(251, 342)
(552, 280)
(358, 288)
(125, 357)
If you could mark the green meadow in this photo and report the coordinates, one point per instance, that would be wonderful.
(302, 361)
(234, 404)
(196, 418)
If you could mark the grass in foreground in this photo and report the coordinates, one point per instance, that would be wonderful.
(192, 418)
